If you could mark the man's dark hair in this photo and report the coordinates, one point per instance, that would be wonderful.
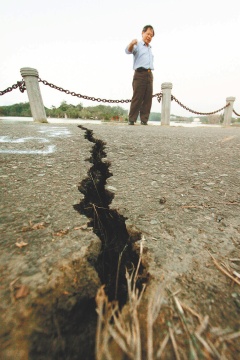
(148, 27)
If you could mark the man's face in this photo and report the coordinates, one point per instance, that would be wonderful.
(147, 36)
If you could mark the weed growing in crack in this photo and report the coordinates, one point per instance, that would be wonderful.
(121, 327)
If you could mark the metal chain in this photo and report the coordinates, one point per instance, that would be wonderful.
(81, 96)
(159, 95)
(19, 84)
(195, 112)
(236, 113)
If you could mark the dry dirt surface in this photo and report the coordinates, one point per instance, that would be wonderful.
(176, 188)
(181, 188)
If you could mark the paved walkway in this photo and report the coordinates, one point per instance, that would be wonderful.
(178, 186)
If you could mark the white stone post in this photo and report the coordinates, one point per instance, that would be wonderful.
(166, 103)
(228, 111)
(30, 76)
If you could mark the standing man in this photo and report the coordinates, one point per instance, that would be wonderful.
(143, 78)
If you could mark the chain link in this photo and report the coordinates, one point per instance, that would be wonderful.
(236, 113)
(195, 112)
(85, 97)
(158, 96)
(19, 84)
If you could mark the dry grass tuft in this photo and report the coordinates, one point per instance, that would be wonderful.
(164, 329)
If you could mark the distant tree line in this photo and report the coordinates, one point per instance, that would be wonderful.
(99, 112)
(21, 109)
(65, 110)
(215, 119)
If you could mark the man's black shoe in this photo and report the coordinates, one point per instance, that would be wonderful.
(131, 123)
(143, 123)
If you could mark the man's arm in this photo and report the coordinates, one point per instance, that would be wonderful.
(131, 45)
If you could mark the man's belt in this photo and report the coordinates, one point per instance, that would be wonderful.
(141, 69)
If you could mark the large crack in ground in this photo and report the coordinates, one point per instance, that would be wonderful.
(66, 323)
(117, 254)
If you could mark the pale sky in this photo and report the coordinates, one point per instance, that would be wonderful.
(80, 46)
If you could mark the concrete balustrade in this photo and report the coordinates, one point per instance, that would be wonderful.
(30, 76)
(228, 111)
(166, 103)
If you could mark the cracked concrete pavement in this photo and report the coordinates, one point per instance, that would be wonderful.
(178, 186)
